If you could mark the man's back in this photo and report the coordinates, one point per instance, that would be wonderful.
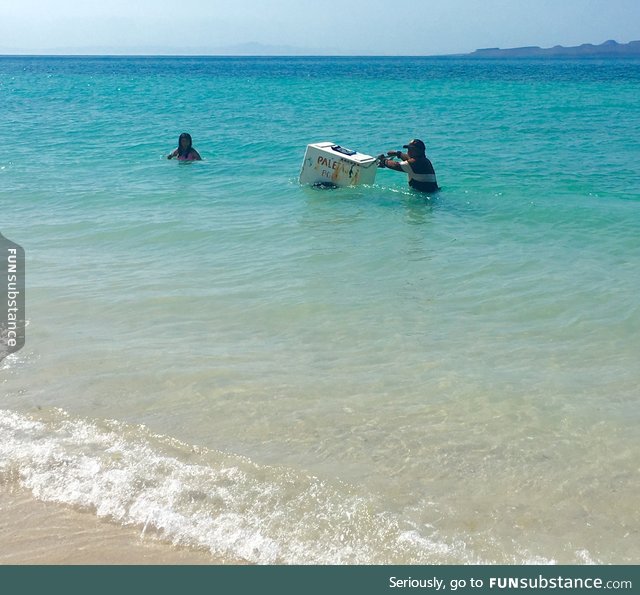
(422, 176)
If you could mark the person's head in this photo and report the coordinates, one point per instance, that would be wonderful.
(416, 148)
(184, 143)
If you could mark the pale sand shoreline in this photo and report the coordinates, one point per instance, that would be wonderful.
(34, 532)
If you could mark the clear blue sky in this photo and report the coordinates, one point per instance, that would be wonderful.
(317, 26)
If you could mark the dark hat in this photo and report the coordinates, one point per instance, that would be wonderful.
(417, 143)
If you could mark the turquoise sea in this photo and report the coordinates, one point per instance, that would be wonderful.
(231, 362)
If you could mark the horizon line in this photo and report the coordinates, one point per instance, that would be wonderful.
(286, 52)
(162, 55)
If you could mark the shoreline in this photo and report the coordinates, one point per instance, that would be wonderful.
(47, 533)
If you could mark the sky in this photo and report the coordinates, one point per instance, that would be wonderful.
(378, 27)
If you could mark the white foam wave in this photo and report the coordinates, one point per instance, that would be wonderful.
(204, 499)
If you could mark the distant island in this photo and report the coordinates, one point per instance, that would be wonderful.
(609, 49)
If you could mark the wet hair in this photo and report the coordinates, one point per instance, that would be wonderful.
(184, 152)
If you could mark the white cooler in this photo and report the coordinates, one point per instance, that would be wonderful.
(333, 165)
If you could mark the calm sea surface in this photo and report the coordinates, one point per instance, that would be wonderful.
(282, 374)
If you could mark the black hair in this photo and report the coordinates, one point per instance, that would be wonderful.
(184, 152)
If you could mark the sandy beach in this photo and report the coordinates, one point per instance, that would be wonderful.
(34, 532)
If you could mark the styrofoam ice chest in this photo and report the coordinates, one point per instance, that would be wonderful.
(332, 165)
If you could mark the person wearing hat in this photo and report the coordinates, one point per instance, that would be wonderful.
(415, 164)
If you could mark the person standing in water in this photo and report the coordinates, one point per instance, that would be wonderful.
(185, 150)
(415, 164)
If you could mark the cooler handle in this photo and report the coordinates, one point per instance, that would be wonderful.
(339, 149)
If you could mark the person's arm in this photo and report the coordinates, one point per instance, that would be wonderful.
(384, 162)
(399, 154)
(174, 154)
(196, 155)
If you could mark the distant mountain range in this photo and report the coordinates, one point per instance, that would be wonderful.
(609, 49)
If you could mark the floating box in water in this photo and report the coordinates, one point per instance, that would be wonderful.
(332, 165)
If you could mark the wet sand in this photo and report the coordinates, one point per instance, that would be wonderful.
(34, 532)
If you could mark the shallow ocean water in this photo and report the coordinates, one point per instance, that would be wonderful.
(284, 374)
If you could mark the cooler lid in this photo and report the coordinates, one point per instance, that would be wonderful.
(340, 151)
